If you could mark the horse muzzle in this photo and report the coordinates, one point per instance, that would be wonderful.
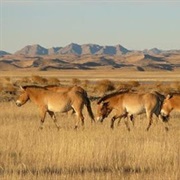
(100, 119)
(18, 104)
(165, 118)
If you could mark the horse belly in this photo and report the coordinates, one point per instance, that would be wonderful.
(135, 109)
(59, 108)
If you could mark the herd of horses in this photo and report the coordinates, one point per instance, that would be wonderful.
(122, 104)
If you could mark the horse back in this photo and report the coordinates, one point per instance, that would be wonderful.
(136, 103)
(45, 97)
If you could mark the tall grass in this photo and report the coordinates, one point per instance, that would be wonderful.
(95, 152)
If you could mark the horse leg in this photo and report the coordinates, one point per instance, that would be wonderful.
(54, 119)
(112, 122)
(126, 123)
(42, 116)
(80, 117)
(149, 116)
(125, 116)
(132, 119)
(78, 107)
(119, 121)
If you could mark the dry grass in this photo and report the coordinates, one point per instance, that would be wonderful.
(111, 74)
(95, 151)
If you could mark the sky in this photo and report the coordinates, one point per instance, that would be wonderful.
(136, 25)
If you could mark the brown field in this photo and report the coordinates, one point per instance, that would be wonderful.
(112, 74)
(95, 152)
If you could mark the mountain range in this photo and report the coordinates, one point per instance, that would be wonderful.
(76, 49)
(89, 56)
(33, 50)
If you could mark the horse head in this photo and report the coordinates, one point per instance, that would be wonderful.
(103, 110)
(166, 108)
(23, 97)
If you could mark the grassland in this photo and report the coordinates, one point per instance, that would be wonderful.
(95, 152)
(112, 74)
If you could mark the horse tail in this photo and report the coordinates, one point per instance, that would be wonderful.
(87, 103)
(159, 98)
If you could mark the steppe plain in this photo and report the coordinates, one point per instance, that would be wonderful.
(95, 152)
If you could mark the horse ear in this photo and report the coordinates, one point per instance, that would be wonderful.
(99, 101)
(21, 88)
(169, 96)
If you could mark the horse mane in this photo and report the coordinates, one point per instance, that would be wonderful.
(47, 86)
(50, 86)
(32, 86)
(112, 95)
(39, 86)
(174, 93)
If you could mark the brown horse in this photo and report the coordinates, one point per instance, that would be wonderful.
(51, 102)
(77, 89)
(172, 102)
(125, 104)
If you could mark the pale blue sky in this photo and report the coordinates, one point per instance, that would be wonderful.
(134, 24)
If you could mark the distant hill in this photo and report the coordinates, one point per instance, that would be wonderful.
(32, 50)
(153, 51)
(84, 49)
(2, 53)
(89, 56)
(91, 49)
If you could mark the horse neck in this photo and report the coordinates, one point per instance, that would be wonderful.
(53, 88)
(33, 93)
(111, 102)
(175, 102)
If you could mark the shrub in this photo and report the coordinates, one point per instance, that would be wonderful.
(53, 80)
(22, 81)
(85, 83)
(175, 86)
(104, 86)
(10, 89)
(76, 81)
(38, 79)
(128, 85)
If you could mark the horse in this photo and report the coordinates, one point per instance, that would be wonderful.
(171, 102)
(127, 104)
(79, 89)
(51, 102)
